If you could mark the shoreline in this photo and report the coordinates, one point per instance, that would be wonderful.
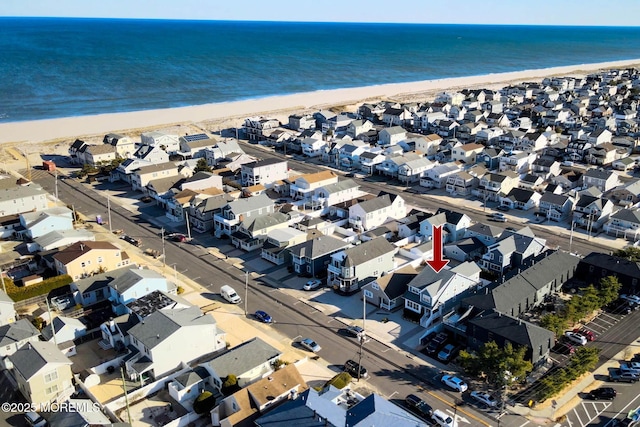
(35, 131)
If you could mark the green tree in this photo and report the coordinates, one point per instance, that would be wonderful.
(590, 299)
(38, 323)
(631, 253)
(204, 403)
(202, 166)
(230, 385)
(555, 323)
(469, 362)
(515, 363)
(609, 289)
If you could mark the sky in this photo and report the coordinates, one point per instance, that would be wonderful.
(509, 12)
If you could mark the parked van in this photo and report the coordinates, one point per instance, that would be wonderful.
(230, 294)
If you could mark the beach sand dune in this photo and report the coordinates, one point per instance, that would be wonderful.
(220, 115)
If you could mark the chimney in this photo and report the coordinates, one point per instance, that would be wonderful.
(81, 247)
(112, 324)
(158, 336)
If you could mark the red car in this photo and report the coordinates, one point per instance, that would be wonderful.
(585, 333)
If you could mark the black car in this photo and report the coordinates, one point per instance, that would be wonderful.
(503, 208)
(129, 239)
(436, 344)
(603, 393)
(418, 406)
(351, 367)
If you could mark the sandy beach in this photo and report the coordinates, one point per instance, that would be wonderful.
(219, 115)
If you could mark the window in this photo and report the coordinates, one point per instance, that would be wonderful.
(51, 376)
(52, 389)
(99, 259)
(413, 306)
(375, 286)
(368, 293)
(83, 265)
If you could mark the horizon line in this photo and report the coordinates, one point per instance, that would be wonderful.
(316, 22)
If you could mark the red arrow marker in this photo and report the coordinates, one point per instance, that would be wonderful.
(437, 263)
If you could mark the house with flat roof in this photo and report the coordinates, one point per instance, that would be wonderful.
(264, 172)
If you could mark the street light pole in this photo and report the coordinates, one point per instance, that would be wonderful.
(164, 260)
(571, 235)
(246, 291)
(108, 212)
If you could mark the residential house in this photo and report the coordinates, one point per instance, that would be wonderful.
(133, 284)
(527, 289)
(397, 117)
(492, 186)
(429, 295)
(96, 155)
(9, 224)
(624, 223)
(249, 361)
(467, 153)
(304, 186)
(168, 338)
(369, 161)
(391, 135)
(351, 267)
(391, 164)
(627, 194)
(596, 265)
(313, 146)
(490, 157)
(301, 122)
(604, 154)
(154, 154)
(387, 291)
(437, 176)
(545, 167)
(43, 373)
(461, 183)
(624, 164)
(94, 289)
(428, 144)
(59, 239)
(276, 247)
(337, 125)
(163, 189)
(577, 149)
(531, 182)
(513, 250)
(591, 212)
(125, 170)
(141, 177)
(332, 407)
(76, 150)
(264, 172)
(409, 227)
(349, 155)
(196, 146)
(603, 180)
(85, 258)
(502, 329)
(521, 198)
(17, 199)
(248, 403)
(357, 127)
(124, 146)
(66, 330)
(166, 142)
(468, 249)
(79, 413)
(517, 161)
(556, 207)
(41, 222)
(223, 150)
(333, 194)
(488, 234)
(203, 209)
(16, 334)
(454, 225)
(411, 171)
(252, 232)
(235, 212)
(600, 136)
(312, 257)
(372, 213)
(7, 309)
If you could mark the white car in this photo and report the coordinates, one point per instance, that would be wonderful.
(455, 383)
(485, 398)
(310, 345)
(312, 284)
(443, 419)
(576, 338)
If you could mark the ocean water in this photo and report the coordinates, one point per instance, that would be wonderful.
(55, 67)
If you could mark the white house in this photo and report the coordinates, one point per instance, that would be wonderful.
(305, 186)
(7, 309)
(136, 283)
(165, 141)
(264, 172)
(332, 194)
(372, 213)
(350, 266)
(391, 135)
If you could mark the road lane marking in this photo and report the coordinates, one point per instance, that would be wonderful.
(451, 404)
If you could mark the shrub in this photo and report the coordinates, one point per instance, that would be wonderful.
(340, 381)
(230, 385)
(204, 403)
(180, 290)
(38, 323)
(279, 363)
(20, 293)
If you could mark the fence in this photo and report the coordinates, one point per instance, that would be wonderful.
(40, 299)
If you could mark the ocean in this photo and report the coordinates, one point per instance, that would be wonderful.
(58, 67)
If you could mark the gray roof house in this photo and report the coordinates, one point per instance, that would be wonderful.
(15, 335)
(234, 212)
(386, 291)
(312, 257)
(7, 309)
(351, 267)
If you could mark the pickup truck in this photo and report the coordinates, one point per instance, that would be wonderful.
(616, 375)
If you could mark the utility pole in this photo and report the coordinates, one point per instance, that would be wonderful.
(246, 291)
(363, 335)
(108, 212)
(188, 226)
(126, 396)
(571, 235)
(53, 328)
(164, 260)
(56, 184)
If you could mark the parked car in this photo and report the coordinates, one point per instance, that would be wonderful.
(177, 237)
(132, 240)
(351, 367)
(262, 316)
(499, 219)
(312, 284)
(590, 336)
(229, 294)
(454, 383)
(630, 367)
(576, 338)
(310, 345)
(616, 375)
(485, 398)
(355, 331)
(603, 393)
(448, 352)
(632, 298)
(503, 208)
(34, 419)
(418, 406)
(436, 344)
(443, 419)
